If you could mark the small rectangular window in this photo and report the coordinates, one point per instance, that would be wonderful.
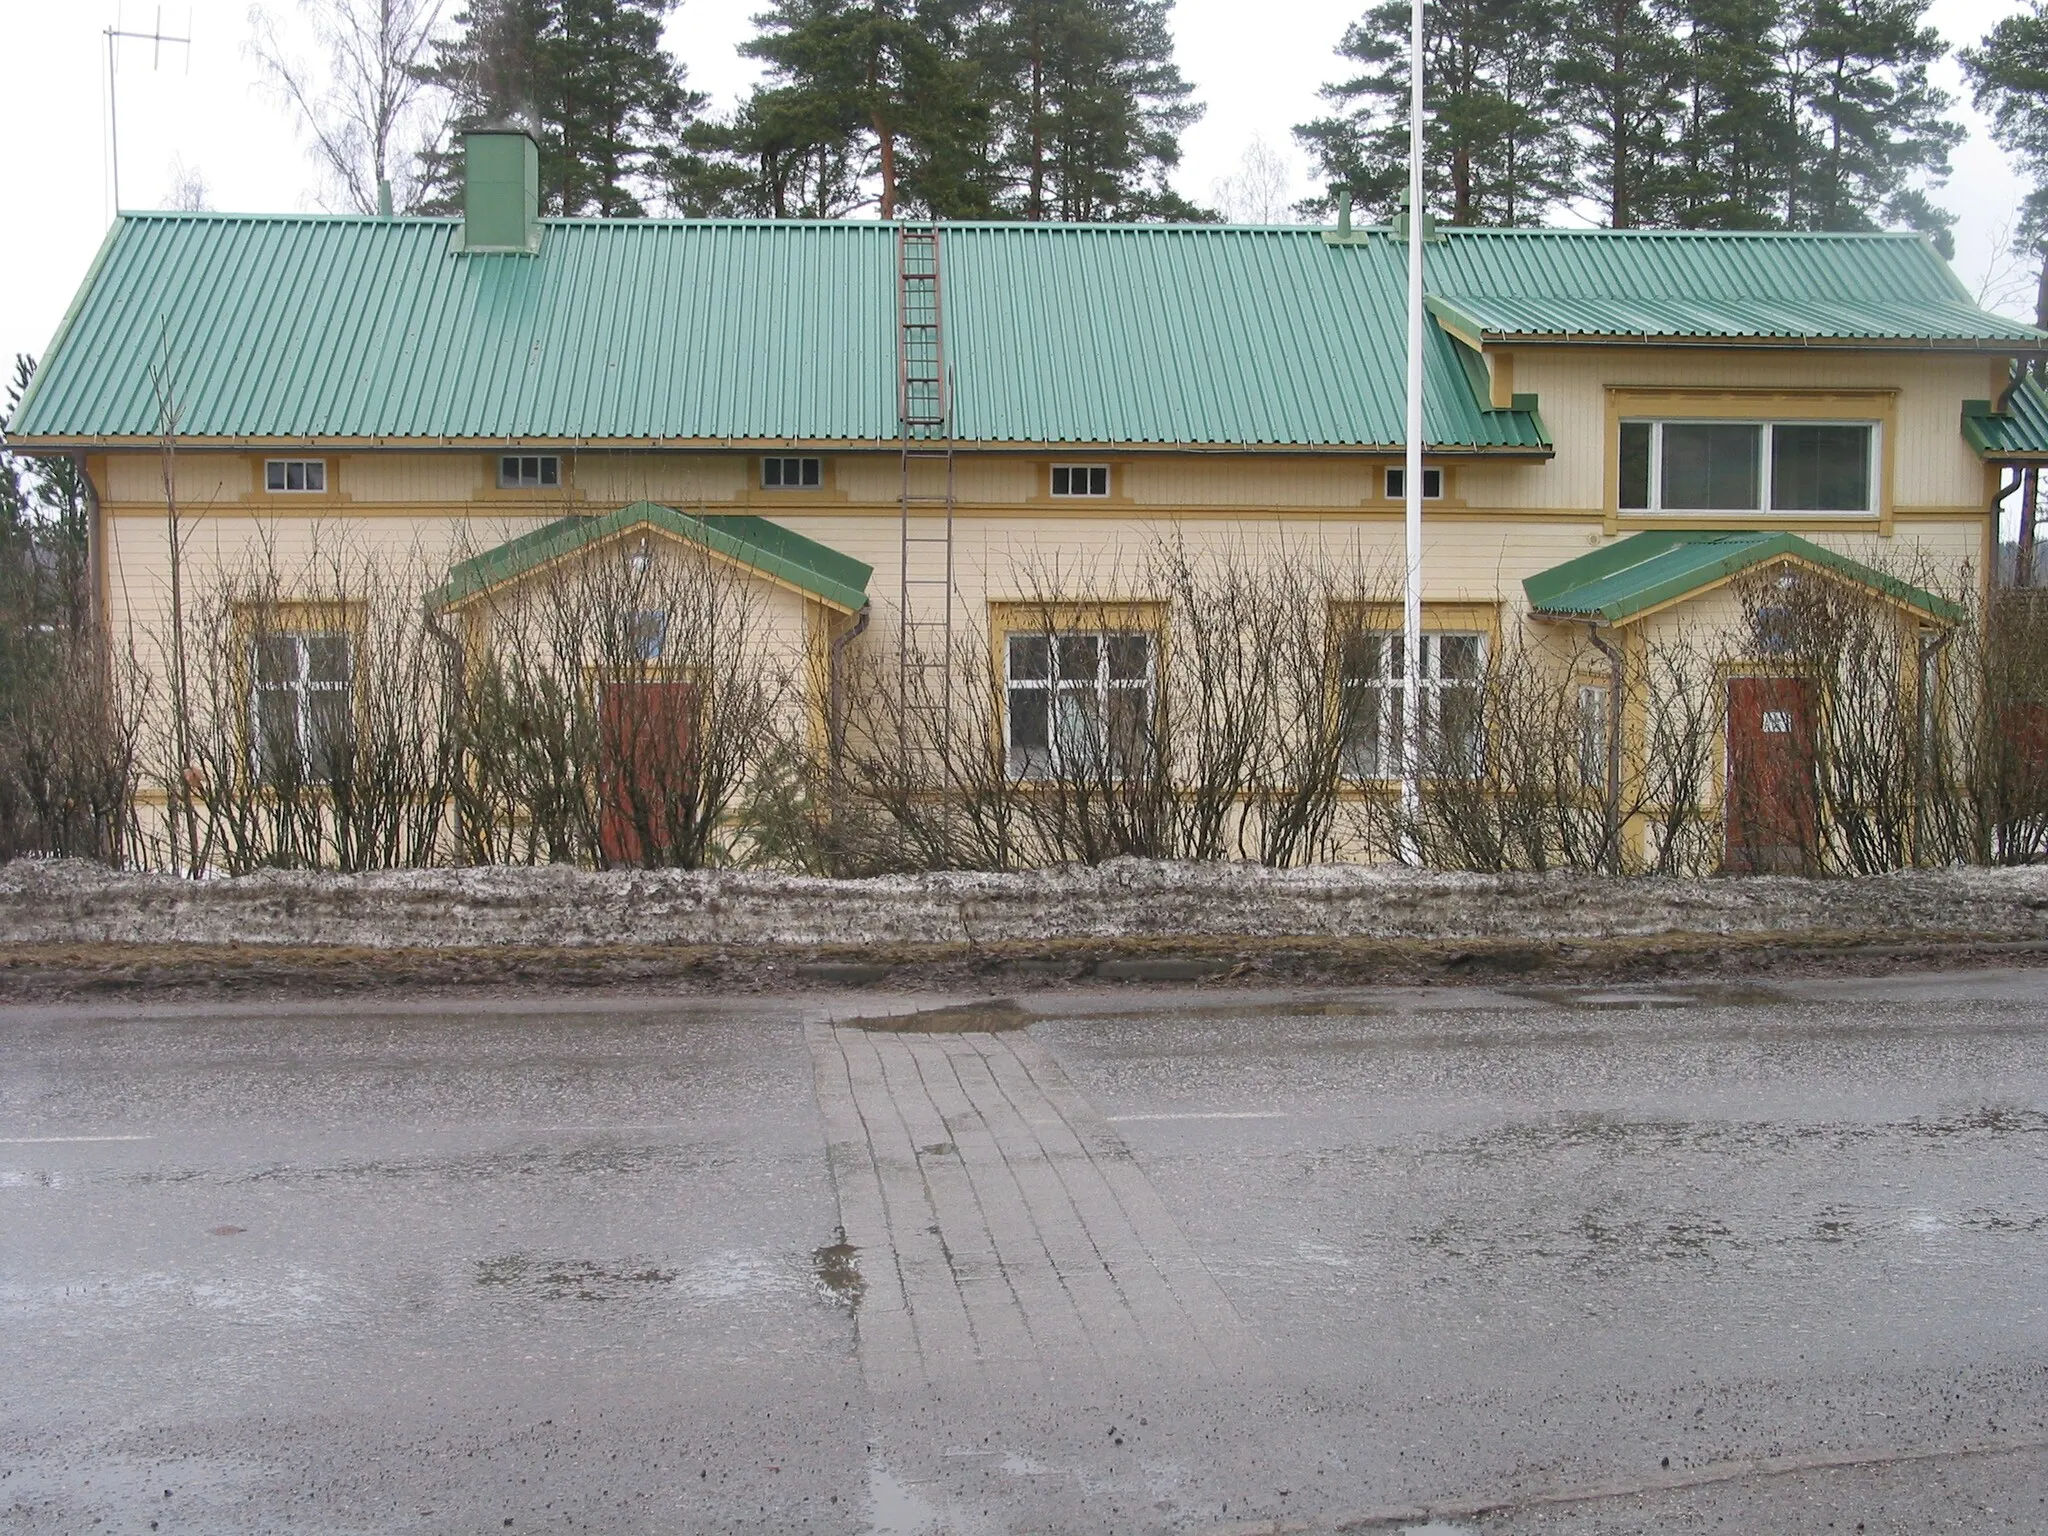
(1432, 485)
(295, 474)
(1080, 479)
(792, 474)
(529, 471)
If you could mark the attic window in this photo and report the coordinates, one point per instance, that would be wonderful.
(1080, 479)
(529, 471)
(295, 474)
(792, 474)
(1432, 485)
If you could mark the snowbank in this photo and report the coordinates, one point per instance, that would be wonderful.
(78, 902)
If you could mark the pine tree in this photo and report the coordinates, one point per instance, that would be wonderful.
(1088, 109)
(43, 518)
(1496, 150)
(1871, 127)
(2008, 75)
(1735, 132)
(606, 100)
(1621, 69)
(1035, 109)
(783, 154)
(889, 80)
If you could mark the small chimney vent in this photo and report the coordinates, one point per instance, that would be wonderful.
(500, 191)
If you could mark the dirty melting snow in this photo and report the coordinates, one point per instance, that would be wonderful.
(74, 901)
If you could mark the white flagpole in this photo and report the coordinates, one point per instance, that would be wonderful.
(1411, 613)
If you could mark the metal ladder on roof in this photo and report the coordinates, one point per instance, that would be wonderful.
(924, 411)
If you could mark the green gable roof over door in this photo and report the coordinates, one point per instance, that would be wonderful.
(752, 543)
(1627, 579)
(314, 328)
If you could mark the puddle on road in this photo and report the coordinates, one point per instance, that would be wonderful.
(1691, 995)
(836, 1269)
(989, 1018)
(571, 1279)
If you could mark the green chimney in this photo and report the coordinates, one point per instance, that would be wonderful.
(500, 190)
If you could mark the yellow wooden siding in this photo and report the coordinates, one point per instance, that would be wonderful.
(1934, 467)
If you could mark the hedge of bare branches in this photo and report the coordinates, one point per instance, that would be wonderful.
(636, 708)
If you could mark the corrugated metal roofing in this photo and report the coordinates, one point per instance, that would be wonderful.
(310, 327)
(2017, 434)
(1488, 318)
(1648, 570)
(753, 542)
(1709, 285)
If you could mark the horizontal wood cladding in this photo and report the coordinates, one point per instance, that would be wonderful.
(1932, 468)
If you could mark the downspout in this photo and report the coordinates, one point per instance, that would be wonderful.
(835, 687)
(1614, 682)
(1997, 510)
(1931, 648)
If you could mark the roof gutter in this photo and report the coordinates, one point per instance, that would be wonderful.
(1989, 346)
(56, 443)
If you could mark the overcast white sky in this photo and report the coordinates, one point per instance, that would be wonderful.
(1255, 66)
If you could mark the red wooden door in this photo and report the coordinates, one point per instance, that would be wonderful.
(646, 769)
(1773, 801)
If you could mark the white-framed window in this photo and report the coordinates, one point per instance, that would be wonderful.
(792, 474)
(299, 685)
(1432, 484)
(1749, 466)
(529, 471)
(1079, 701)
(1080, 479)
(1370, 672)
(295, 474)
(1592, 736)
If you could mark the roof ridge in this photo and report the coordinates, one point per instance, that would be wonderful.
(1025, 226)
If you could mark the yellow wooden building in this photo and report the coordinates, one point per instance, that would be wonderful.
(912, 431)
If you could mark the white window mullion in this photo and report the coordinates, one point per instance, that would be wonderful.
(303, 672)
(1768, 478)
(1656, 496)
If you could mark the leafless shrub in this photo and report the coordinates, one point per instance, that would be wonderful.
(1180, 707)
(1675, 684)
(614, 708)
(1983, 736)
(312, 718)
(70, 715)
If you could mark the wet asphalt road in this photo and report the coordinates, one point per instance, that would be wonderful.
(1773, 1259)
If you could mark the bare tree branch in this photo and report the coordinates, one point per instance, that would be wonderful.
(366, 99)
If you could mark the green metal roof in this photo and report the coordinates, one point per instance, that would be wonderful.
(1707, 286)
(314, 327)
(2018, 434)
(753, 542)
(1620, 581)
(299, 328)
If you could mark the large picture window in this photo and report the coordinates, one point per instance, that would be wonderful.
(299, 704)
(1079, 702)
(1371, 670)
(1748, 466)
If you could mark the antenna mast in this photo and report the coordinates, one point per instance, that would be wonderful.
(156, 37)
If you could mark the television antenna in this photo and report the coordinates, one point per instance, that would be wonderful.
(156, 37)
